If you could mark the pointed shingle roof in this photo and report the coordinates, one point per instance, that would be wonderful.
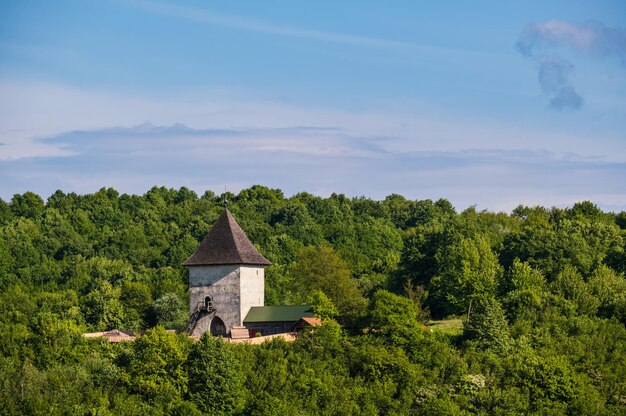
(226, 243)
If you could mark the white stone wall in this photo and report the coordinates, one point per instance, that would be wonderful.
(233, 288)
(252, 289)
(222, 284)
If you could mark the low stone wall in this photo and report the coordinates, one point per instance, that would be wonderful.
(289, 337)
(120, 336)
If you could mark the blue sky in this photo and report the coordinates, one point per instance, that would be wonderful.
(485, 103)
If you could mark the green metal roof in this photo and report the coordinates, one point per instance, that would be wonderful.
(288, 313)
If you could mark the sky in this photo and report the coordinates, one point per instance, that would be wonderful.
(486, 103)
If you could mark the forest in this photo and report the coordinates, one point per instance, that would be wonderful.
(540, 292)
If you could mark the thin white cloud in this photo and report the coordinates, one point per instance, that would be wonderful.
(260, 26)
(58, 137)
(133, 159)
(32, 110)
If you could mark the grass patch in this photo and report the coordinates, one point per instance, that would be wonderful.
(448, 326)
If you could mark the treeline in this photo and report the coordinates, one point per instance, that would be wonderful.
(541, 291)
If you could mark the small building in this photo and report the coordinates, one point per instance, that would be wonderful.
(226, 279)
(270, 320)
(113, 335)
(306, 323)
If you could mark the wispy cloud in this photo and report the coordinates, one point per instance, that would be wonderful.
(59, 137)
(591, 38)
(178, 139)
(315, 159)
(260, 26)
(38, 110)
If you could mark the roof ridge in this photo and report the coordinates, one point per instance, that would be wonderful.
(234, 226)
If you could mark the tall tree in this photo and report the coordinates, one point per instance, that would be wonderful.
(215, 378)
(156, 365)
(320, 268)
(471, 272)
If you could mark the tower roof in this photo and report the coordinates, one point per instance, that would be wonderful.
(226, 243)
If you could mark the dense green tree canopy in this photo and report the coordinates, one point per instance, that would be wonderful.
(529, 308)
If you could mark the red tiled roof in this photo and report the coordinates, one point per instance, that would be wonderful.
(312, 321)
(226, 243)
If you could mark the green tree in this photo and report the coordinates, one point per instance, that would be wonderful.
(471, 272)
(610, 289)
(377, 247)
(23, 240)
(54, 339)
(322, 306)
(399, 210)
(102, 307)
(549, 241)
(169, 311)
(136, 298)
(526, 289)
(28, 205)
(87, 274)
(156, 365)
(488, 326)
(320, 268)
(570, 284)
(294, 220)
(5, 212)
(394, 317)
(418, 295)
(215, 378)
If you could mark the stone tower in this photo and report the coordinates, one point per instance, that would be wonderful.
(226, 278)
